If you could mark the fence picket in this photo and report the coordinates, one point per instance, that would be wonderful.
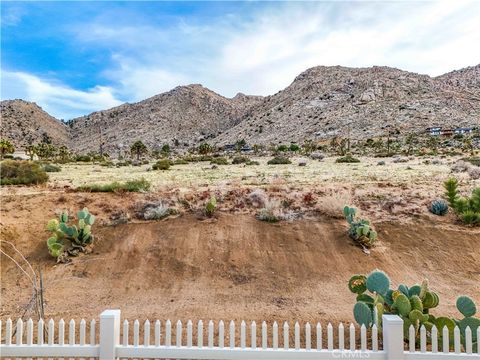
(446, 340)
(264, 335)
(232, 334)
(8, 332)
(51, 333)
(308, 336)
(200, 333)
(352, 337)
(423, 339)
(363, 338)
(82, 331)
(341, 335)
(190, 334)
(125, 333)
(330, 336)
(253, 335)
(179, 333)
(319, 336)
(297, 335)
(285, 335)
(40, 332)
(456, 340)
(411, 338)
(71, 332)
(478, 337)
(221, 334)
(168, 333)
(61, 332)
(146, 333)
(374, 338)
(242, 334)
(468, 340)
(210, 334)
(92, 332)
(434, 339)
(157, 332)
(136, 333)
(275, 335)
(29, 331)
(19, 333)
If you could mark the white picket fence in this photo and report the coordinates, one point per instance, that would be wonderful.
(208, 341)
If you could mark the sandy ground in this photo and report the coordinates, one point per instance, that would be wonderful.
(232, 267)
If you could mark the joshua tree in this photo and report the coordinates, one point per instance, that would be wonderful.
(31, 150)
(45, 150)
(138, 148)
(165, 150)
(6, 147)
(205, 148)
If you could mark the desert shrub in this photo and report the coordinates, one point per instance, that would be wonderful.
(270, 212)
(123, 163)
(360, 229)
(466, 208)
(282, 148)
(70, 240)
(474, 160)
(332, 203)
(107, 163)
(460, 166)
(180, 161)
(157, 211)
(252, 162)
(83, 158)
(294, 147)
(374, 298)
(279, 160)
(438, 207)
(211, 206)
(257, 198)
(474, 173)
(51, 168)
(163, 164)
(128, 186)
(240, 160)
(317, 156)
(21, 173)
(347, 159)
(219, 161)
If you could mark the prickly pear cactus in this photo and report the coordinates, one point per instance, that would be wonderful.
(468, 309)
(70, 240)
(360, 230)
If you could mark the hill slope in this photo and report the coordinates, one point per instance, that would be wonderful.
(184, 115)
(26, 123)
(322, 101)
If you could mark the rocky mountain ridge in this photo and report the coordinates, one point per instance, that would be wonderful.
(322, 102)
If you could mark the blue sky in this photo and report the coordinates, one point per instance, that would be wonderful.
(73, 58)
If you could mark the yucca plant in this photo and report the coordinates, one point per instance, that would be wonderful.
(466, 208)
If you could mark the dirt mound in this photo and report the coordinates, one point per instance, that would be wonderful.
(234, 267)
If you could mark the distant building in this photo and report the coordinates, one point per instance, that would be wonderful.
(20, 154)
(463, 130)
(435, 131)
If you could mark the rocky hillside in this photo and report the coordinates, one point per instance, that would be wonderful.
(26, 123)
(182, 117)
(321, 103)
(324, 102)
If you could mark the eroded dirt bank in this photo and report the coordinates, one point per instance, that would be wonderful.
(233, 267)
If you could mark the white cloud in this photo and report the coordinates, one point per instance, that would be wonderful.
(263, 52)
(58, 100)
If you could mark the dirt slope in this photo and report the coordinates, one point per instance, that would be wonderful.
(230, 268)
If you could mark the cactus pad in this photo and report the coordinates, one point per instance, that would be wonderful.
(378, 281)
(402, 304)
(362, 314)
(357, 284)
(466, 306)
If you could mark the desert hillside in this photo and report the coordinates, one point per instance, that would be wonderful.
(26, 123)
(321, 103)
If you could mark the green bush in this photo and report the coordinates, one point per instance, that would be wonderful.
(21, 173)
(252, 162)
(51, 168)
(347, 159)
(180, 161)
(279, 160)
(83, 158)
(219, 161)
(163, 164)
(474, 160)
(466, 208)
(129, 186)
(240, 160)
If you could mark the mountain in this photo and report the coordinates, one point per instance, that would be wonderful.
(322, 102)
(26, 123)
(184, 116)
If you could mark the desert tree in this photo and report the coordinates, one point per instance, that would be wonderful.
(205, 148)
(31, 150)
(165, 151)
(6, 147)
(138, 148)
(45, 150)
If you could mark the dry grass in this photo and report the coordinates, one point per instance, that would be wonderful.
(333, 202)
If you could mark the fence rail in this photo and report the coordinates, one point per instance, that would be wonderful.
(209, 340)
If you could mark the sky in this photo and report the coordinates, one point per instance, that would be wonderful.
(76, 57)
